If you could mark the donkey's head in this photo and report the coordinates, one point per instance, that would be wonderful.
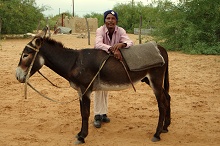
(30, 60)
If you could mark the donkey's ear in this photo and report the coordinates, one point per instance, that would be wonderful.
(37, 42)
(43, 33)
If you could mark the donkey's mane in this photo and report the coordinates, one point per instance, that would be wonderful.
(54, 42)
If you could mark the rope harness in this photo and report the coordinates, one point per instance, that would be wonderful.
(128, 75)
(29, 69)
(100, 68)
(28, 76)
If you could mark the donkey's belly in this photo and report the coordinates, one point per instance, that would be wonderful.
(111, 87)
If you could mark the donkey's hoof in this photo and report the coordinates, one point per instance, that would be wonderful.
(164, 131)
(77, 142)
(155, 139)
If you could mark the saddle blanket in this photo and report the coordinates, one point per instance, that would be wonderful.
(143, 56)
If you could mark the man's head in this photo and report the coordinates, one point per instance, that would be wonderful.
(110, 19)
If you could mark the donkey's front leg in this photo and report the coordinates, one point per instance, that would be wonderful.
(85, 112)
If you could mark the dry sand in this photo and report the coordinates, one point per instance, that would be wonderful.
(195, 105)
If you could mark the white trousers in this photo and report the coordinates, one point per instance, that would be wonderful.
(100, 102)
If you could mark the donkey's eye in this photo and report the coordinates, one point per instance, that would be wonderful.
(25, 55)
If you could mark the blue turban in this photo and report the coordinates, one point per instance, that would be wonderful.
(110, 12)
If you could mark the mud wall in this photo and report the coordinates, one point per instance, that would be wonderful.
(78, 25)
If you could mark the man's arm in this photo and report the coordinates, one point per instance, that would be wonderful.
(99, 41)
(125, 39)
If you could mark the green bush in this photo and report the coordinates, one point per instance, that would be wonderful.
(19, 16)
(191, 26)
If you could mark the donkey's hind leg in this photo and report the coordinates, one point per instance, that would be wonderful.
(167, 120)
(156, 84)
(162, 113)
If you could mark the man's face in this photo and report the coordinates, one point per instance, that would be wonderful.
(110, 21)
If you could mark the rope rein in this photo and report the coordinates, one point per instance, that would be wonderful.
(50, 81)
(100, 68)
(47, 96)
(29, 69)
(128, 75)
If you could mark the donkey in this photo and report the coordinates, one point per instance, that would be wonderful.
(80, 67)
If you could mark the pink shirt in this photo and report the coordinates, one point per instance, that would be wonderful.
(103, 41)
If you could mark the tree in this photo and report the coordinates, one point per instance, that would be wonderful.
(129, 15)
(192, 26)
(19, 16)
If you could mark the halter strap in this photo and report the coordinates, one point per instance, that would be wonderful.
(29, 69)
(35, 49)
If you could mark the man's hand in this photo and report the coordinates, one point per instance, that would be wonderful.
(118, 55)
(114, 48)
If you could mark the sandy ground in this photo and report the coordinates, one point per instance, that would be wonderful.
(35, 121)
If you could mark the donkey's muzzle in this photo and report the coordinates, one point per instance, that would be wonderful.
(20, 75)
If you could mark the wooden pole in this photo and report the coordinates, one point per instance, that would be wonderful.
(140, 25)
(73, 8)
(0, 27)
(87, 25)
(62, 20)
(48, 27)
(132, 14)
(0, 33)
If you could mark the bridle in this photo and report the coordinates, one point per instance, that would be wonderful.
(28, 76)
(35, 49)
(30, 67)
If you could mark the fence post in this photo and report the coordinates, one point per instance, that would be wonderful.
(0, 32)
(140, 25)
(87, 25)
(48, 27)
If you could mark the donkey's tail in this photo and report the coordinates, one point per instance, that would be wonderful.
(166, 79)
